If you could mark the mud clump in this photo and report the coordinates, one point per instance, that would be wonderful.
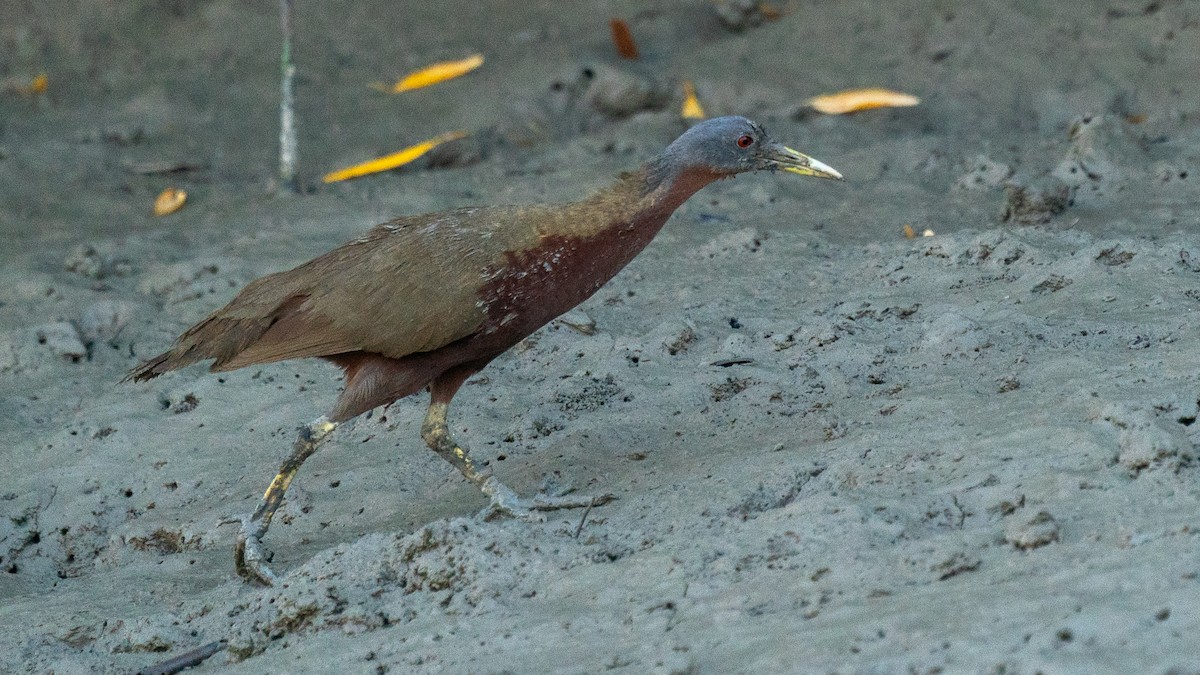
(1034, 202)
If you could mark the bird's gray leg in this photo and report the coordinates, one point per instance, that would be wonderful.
(249, 556)
(437, 436)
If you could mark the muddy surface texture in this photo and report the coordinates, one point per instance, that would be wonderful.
(835, 449)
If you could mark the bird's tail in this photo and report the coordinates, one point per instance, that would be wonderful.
(191, 347)
(163, 363)
(218, 337)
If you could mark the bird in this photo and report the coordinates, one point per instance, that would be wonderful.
(427, 301)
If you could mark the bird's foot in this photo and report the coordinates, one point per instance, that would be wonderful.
(250, 557)
(505, 502)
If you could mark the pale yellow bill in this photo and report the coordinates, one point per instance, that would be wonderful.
(807, 166)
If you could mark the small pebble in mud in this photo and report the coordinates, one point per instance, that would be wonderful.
(61, 338)
(186, 405)
(1036, 532)
(87, 261)
(951, 334)
(677, 337)
(738, 15)
(954, 565)
(104, 320)
(583, 97)
(1103, 156)
(462, 152)
(1034, 202)
(1008, 383)
(619, 93)
(1143, 442)
(983, 174)
(1051, 284)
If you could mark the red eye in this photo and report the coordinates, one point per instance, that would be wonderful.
(745, 141)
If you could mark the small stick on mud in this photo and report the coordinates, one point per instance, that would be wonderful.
(583, 518)
(287, 100)
(185, 660)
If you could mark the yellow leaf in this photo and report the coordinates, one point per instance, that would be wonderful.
(169, 201)
(691, 110)
(853, 100)
(393, 160)
(438, 72)
(37, 86)
(909, 232)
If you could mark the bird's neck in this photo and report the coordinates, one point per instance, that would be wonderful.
(651, 193)
(640, 200)
(667, 185)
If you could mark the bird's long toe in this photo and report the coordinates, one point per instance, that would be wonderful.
(250, 558)
(505, 502)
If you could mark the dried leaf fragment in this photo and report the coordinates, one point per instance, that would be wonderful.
(169, 201)
(36, 86)
(853, 100)
(623, 39)
(393, 160)
(433, 74)
(909, 233)
(770, 12)
(691, 109)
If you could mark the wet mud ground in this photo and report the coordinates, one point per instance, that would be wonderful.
(835, 449)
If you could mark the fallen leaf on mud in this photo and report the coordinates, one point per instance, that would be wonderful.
(37, 86)
(909, 233)
(853, 100)
(770, 12)
(691, 110)
(430, 75)
(623, 39)
(169, 201)
(40, 84)
(393, 160)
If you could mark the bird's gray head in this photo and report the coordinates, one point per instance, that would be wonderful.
(726, 146)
